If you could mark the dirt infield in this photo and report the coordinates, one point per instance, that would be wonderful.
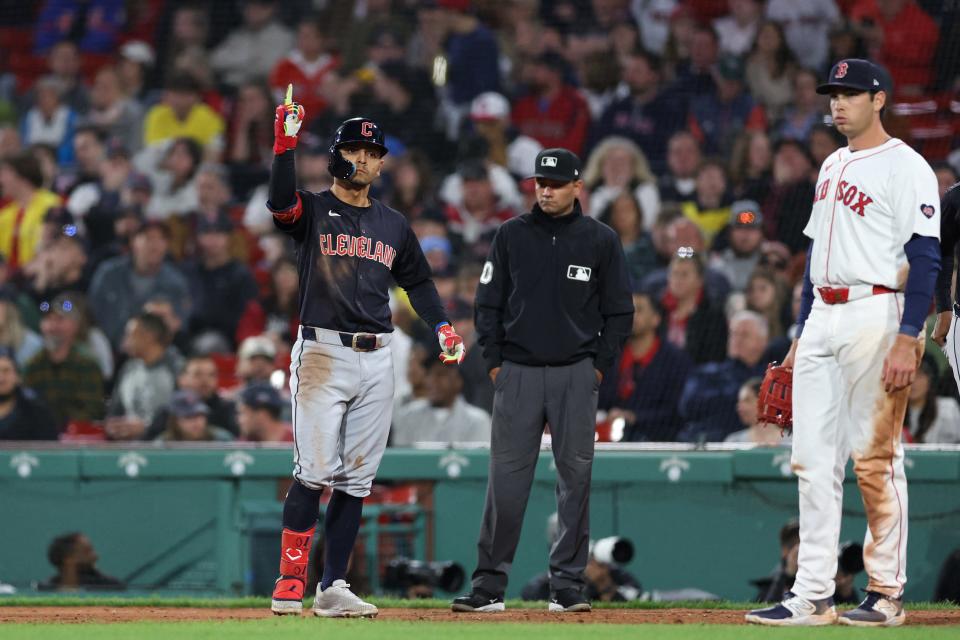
(609, 616)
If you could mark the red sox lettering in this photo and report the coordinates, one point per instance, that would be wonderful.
(357, 246)
(846, 192)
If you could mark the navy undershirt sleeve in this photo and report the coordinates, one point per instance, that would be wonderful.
(923, 253)
(806, 295)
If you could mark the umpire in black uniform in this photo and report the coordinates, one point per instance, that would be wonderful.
(553, 310)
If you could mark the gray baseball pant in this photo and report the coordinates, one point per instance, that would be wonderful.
(526, 398)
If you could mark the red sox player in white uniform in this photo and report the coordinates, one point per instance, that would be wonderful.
(875, 218)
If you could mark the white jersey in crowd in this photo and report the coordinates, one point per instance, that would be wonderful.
(866, 206)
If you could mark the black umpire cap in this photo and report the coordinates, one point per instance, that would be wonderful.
(557, 164)
(856, 74)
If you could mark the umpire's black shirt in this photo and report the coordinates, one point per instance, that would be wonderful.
(554, 291)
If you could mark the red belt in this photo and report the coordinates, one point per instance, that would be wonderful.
(839, 295)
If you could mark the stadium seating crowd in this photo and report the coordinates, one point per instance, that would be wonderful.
(144, 294)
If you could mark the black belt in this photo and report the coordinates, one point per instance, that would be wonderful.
(356, 341)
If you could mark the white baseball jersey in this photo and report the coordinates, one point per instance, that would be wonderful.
(866, 206)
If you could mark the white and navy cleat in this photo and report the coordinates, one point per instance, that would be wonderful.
(795, 611)
(876, 610)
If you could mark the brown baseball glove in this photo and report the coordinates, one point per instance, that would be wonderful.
(775, 401)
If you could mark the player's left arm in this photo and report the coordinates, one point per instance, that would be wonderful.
(412, 272)
(949, 235)
(616, 303)
(916, 196)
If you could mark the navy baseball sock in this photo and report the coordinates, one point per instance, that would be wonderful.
(301, 507)
(340, 525)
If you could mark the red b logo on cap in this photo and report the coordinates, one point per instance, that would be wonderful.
(841, 70)
(366, 129)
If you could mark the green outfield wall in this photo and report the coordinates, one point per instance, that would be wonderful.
(202, 520)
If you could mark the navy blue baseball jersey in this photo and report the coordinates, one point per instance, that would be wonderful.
(949, 235)
(348, 258)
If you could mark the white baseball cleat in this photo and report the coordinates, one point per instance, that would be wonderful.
(795, 611)
(337, 601)
(876, 610)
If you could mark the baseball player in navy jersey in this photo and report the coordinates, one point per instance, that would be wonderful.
(350, 250)
(946, 330)
(871, 268)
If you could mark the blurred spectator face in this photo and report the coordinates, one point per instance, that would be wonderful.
(683, 155)
(64, 60)
(478, 195)
(467, 282)
(683, 279)
(255, 368)
(254, 102)
(180, 101)
(446, 287)
(822, 144)
(625, 217)
(790, 165)
(805, 90)
(683, 233)
(890, 8)
(47, 157)
(132, 74)
(164, 309)
(309, 40)
(645, 317)
(257, 14)
(769, 38)
(424, 228)
(179, 162)
(89, 152)
(200, 376)
(443, 384)
(192, 428)
(617, 167)
(83, 554)
(10, 182)
(59, 329)
(747, 406)
(9, 380)
(106, 88)
(625, 38)
(9, 141)
(214, 245)
(711, 184)
(250, 421)
(745, 240)
(286, 280)
(135, 339)
(386, 48)
(212, 191)
(744, 11)
(759, 153)
(761, 293)
(48, 98)
(189, 26)
(703, 49)
(149, 248)
(918, 390)
(416, 371)
(747, 340)
(946, 178)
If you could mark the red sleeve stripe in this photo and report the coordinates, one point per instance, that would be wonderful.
(291, 214)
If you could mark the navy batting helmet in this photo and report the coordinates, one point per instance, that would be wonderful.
(354, 130)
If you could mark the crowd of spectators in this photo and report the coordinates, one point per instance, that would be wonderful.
(144, 294)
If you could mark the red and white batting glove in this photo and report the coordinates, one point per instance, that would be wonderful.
(286, 126)
(451, 345)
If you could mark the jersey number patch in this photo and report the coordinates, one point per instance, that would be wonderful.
(487, 274)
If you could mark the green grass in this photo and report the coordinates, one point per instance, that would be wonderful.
(389, 630)
(47, 600)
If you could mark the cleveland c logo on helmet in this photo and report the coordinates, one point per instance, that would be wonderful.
(841, 70)
(366, 129)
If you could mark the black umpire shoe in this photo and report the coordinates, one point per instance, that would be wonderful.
(478, 601)
(569, 600)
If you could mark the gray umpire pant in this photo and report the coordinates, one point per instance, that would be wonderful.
(525, 398)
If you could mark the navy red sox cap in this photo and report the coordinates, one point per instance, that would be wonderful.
(362, 130)
(857, 74)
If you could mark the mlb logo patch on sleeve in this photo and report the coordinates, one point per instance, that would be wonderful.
(928, 210)
(576, 272)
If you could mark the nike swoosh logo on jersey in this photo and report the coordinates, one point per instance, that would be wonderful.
(333, 213)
